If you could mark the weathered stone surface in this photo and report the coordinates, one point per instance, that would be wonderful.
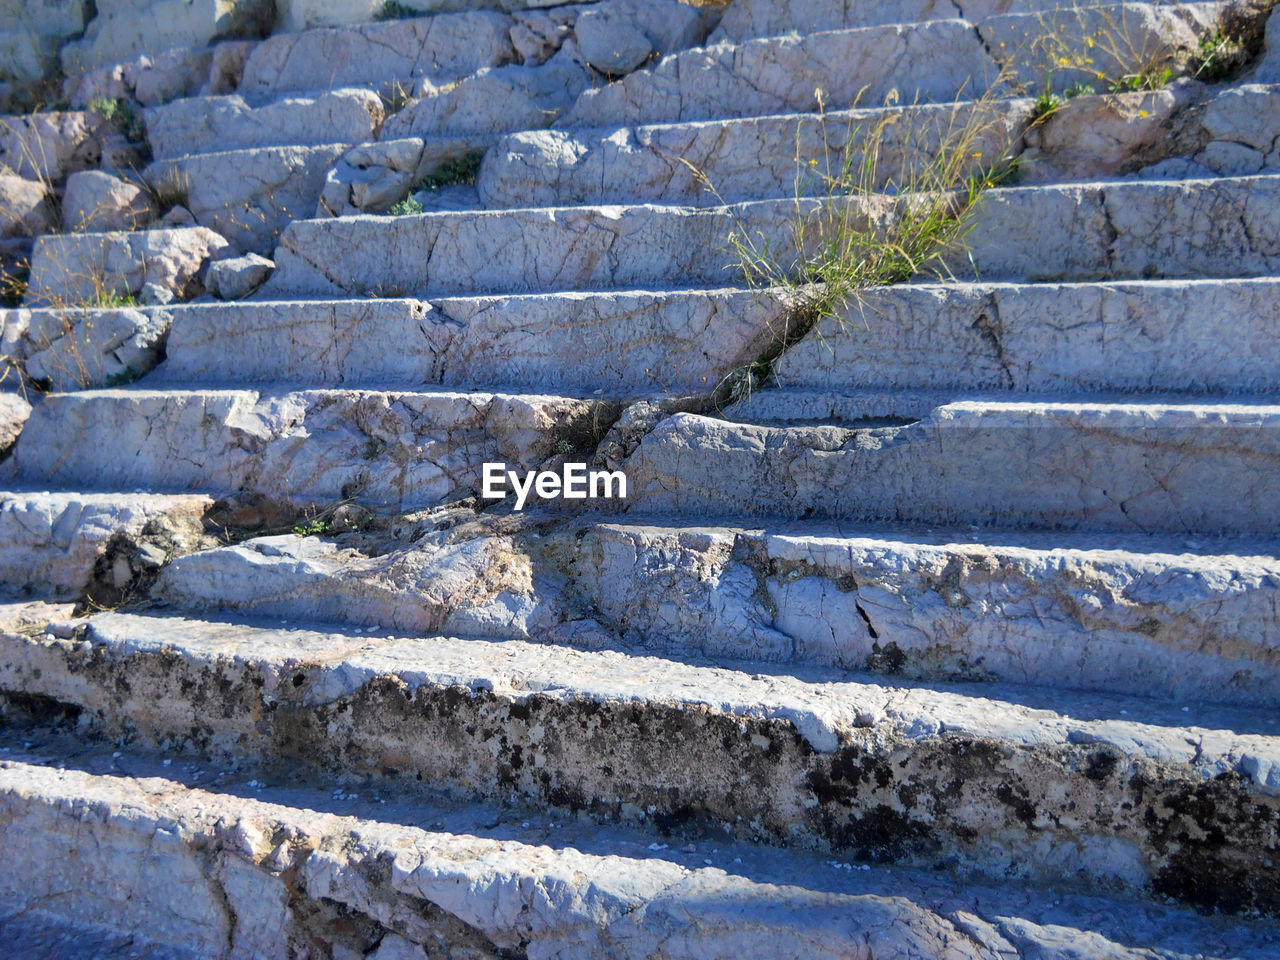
(26, 57)
(634, 342)
(1191, 228)
(14, 411)
(442, 48)
(373, 177)
(247, 196)
(244, 891)
(24, 207)
(47, 146)
(51, 542)
(1269, 68)
(930, 61)
(124, 29)
(495, 100)
(1112, 231)
(1114, 614)
(220, 124)
(73, 348)
(402, 450)
(742, 159)
(1196, 336)
(237, 277)
(746, 19)
(57, 18)
(1237, 134)
(97, 201)
(1099, 137)
(612, 45)
(362, 701)
(75, 269)
(1174, 467)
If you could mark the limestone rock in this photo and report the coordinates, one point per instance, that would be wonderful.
(72, 349)
(96, 201)
(227, 66)
(222, 123)
(382, 55)
(70, 269)
(1269, 69)
(48, 146)
(14, 411)
(24, 207)
(247, 196)
(371, 177)
(148, 80)
(611, 44)
(26, 57)
(126, 29)
(237, 277)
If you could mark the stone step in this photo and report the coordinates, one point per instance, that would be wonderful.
(224, 123)
(1116, 230)
(396, 449)
(631, 342)
(247, 196)
(53, 545)
(1154, 466)
(743, 159)
(385, 56)
(935, 60)
(704, 163)
(1174, 617)
(771, 18)
(237, 867)
(1197, 336)
(1004, 781)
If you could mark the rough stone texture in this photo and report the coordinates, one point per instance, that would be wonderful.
(482, 886)
(124, 29)
(402, 450)
(746, 19)
(1237, 133)
(1197, 336)
(493, 101)
(73, 348)
(931, 61)
(96, 201)
(1184, 467)
(48, 146)
(373, 177)
(1111, 231)
(237, 277)
(26, 57)
(742, 159)
(75, 269)
(24, 207)
(1119, 615)
(636, 342)
(443, 48)
(977, 777)
(14, 411)
(220, 124)
(247, 196)
(1099, 137)
(52, 542)
(1191, 228)
(1269, 68)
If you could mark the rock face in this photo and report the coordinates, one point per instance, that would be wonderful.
(85, 268)
(24, 207)
(96, 201)
(935, 620)
(123, 29)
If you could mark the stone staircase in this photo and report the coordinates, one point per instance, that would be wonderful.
(953, 635)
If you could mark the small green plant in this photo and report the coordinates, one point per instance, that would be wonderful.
(391, 10)
(107, 298)
(316, 526)
(123, 378)
(1078, 89)
(1046, 103)
(1217, 57)
(123, 114)
(405, 207)
(459, 170)
(1148, 80)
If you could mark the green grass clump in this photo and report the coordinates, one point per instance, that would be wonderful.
(123, 114)
(395, 11)
(458, 171)
(408, 205)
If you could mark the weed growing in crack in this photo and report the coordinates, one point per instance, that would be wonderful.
(885, 199)
(405, 207)
(124, 115)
